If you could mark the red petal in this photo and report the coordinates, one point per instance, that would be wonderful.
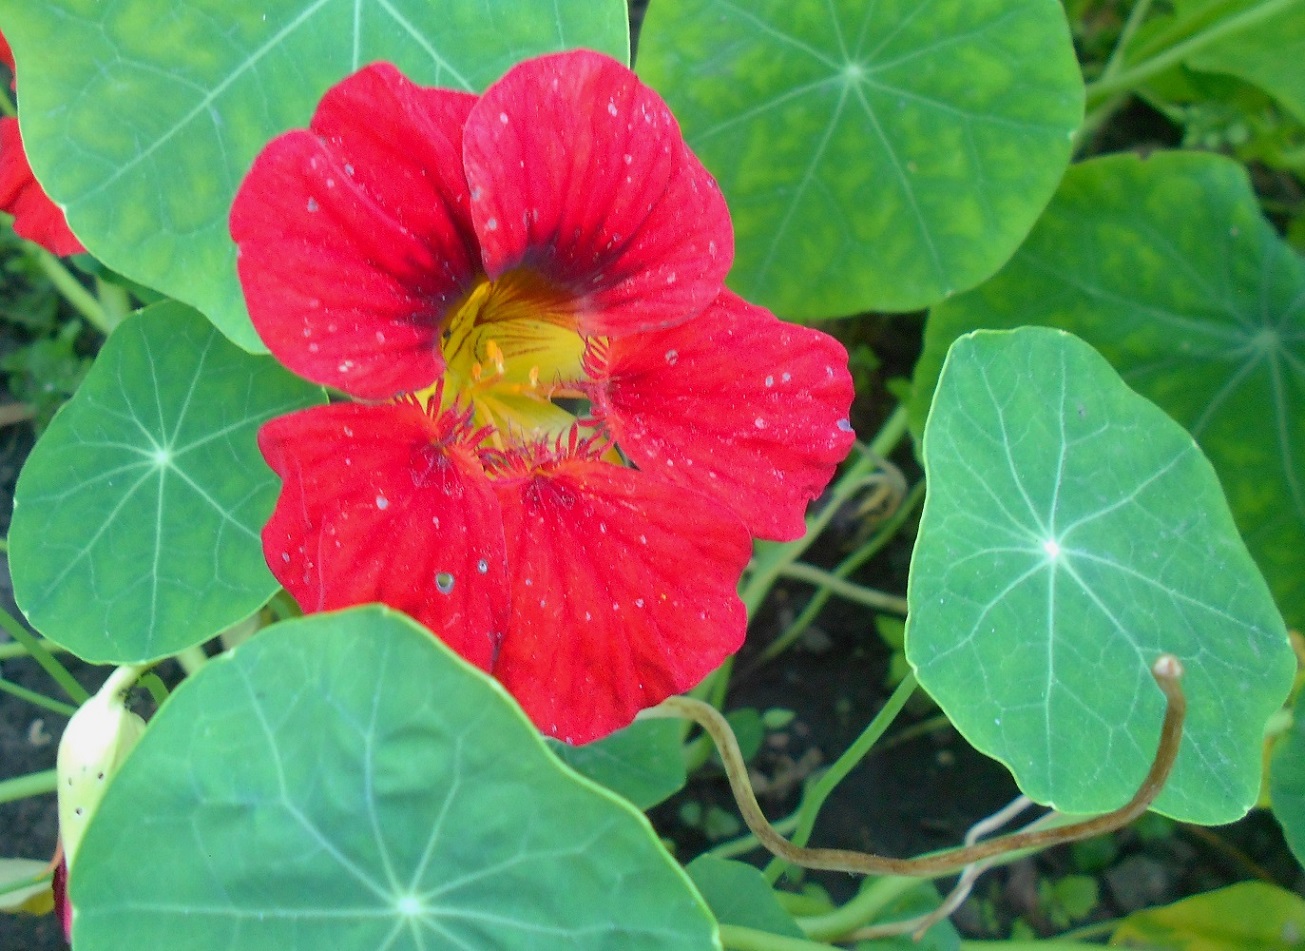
(623, 593)
(355, 238)
(6, 54)
(36, 217)
(737, 404)
(381, 503)
(579, 170)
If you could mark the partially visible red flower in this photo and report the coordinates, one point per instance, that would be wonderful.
(582, 430)
(36, 217)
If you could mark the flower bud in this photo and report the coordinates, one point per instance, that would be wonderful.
(95, 743)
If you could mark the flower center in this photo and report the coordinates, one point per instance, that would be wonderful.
(511, 347)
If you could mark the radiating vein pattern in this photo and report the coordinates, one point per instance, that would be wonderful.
(1168, 268)
(1072, 534)
(347, 775)
(145, 141)
(866, 146)
(138, 515)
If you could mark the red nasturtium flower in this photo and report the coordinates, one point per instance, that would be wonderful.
(36, 217)
(572, 430)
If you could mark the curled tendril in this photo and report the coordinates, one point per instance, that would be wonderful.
(1167, 671)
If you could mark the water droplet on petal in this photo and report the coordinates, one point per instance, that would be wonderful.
(382, 502)
(313, 205)
(770, 381)
(759, 423)
(482, 566)
(672, 356)
(444, 582)
(845, 425)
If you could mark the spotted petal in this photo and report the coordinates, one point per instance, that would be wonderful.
(737, 404)
(383, 503)
(354, 236)
(579, 170)
(623, 593)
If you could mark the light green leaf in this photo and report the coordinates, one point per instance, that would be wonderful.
(137, 516)
(874, 155)
(141, 117)
(1072, 534)
(1287, 781)
(1166, 266)
(345, 782)
(643, 763)
(1249, 916)
(1267, 53)
(738, 894)
(34, 899)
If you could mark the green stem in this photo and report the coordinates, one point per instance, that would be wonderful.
(32, 644)
(7, 106)
(1130, 78)
(879, 600)
(1135, 18)
(877, 895)
(4, 546)
(24, 787)
(12, 651)
(86, 303)
(157, 688)
(38, 699)
(819, 790)
(773, 557)
(737, 938)
(846, 567)
(114, 300)
(192, 659)
(1035, 945)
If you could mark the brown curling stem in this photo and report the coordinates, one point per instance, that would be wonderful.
(1167, 671)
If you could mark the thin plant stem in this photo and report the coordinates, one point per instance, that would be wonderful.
(36, 650)
(1167, 671)
(1039, 944)
(846, 567)
(878, 894)
(157, 688)
(773, 557)
(114, 301)
(738, 938)
(85, 303)
(24, 787)
(878, 600)
(1131, 25)
(37, 699)
(820, 790)
(1130, 78)
(14, 651)
(191, 659)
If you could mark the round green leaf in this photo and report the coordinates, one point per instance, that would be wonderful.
(1072, 534)
(643, 763)
(142, 116)
(1287, 781)
(137, 516)
(874, 155)
(1167, 267)
(346, 782)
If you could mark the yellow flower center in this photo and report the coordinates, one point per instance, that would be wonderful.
(511, 347)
